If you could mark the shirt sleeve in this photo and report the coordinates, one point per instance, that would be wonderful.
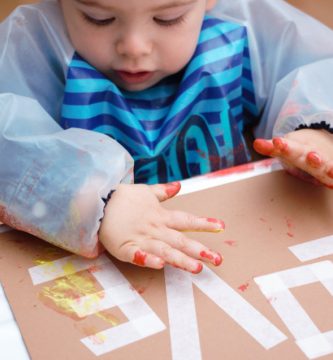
(291, 57)
(52, 181)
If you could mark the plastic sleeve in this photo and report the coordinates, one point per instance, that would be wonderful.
(52, 181)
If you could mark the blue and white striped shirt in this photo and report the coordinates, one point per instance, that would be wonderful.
(188, 124)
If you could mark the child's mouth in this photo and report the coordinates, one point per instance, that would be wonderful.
(134, 77)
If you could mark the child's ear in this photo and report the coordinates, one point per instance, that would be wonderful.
(210, 4)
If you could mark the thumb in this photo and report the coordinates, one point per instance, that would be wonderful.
(166, 191)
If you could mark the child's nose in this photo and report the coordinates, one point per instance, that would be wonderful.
(133, 45)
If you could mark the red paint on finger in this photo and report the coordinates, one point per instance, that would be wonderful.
(217, 221)
(171, 189)
(206, 255)
(198, 269)
(139, 258)
(215, 259)
(263, 146)
(280, 145)
(218, 260)
(314, 160)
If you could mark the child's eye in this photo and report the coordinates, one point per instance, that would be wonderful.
(98, 22)
(169, 22)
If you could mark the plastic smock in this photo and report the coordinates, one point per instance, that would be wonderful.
(188, 124)
(52, 181)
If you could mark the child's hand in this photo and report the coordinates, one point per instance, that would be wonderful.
(137, 229)
(307, 154)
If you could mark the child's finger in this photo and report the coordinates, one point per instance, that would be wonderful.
(183, 221)
(135, 255)
(314, 160)
(264, 147)
(190, 247)
(165, 191)
(306, 164)
(173, 256)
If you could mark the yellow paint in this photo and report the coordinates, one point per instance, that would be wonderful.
(98, 339)
(69, 289)
(69, 268)
(108, 318)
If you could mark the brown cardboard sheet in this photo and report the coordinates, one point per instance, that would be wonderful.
(264, 216)
(319, 9)
(7, 6)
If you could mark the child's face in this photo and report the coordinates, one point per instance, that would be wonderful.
(135, 43)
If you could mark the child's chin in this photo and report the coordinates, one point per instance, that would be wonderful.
(137, 87)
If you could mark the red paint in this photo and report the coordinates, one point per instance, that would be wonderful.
(242, 168)
(10, 220)
(139, 289)
(230, 242)
(206, 255)
(139, 258)
(314, 160)
(201, 154)
(290, 226)
(198, 269)
(263, 146)
(171, 189)
(280, 145)
(94, 268)
(178, 267)
(244, 287)
(216, 221)
(330, 173)
(288, 221)
(218, 260)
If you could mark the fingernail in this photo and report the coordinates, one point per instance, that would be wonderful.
(218, 260)
(314, 159)
(198, 269)
(160, 264)
(172, 188)
(219, 223)
(139, 258)
(263, 146)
